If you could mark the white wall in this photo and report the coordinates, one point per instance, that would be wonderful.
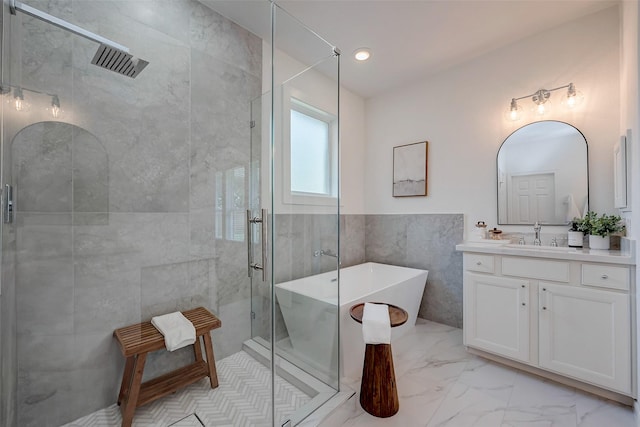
(319, 90)
(460, 113)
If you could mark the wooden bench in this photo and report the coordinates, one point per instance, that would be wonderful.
(137, 340)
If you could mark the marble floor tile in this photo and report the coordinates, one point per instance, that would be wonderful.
(594, 411)
(440, 384)
(539, 402)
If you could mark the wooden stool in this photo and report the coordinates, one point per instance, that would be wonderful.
(138, 340)
(378, 390)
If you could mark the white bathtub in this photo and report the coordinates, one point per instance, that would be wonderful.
(309, 307)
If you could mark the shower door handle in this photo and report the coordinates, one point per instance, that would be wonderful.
(8, 204)
(263, 243)
(249, 244)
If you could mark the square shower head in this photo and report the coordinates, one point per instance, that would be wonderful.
(118, 61)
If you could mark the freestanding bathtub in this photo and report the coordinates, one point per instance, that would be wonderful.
(310, 306)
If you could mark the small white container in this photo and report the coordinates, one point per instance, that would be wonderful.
(480, 233)
(599, 242)
(575, 239)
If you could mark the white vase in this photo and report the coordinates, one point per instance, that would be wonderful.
(575, 239)
(599, 242)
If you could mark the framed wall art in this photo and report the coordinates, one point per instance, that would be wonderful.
(410, 170)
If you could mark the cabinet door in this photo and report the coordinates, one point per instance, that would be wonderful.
(496, 315)
(586, 334)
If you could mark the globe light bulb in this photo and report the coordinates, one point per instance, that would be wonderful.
(542, 102)
(514, 112)
(573, 97)
(18, 100)
(54, 109)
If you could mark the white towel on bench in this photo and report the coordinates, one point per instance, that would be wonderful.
(376, 325)
(177, 330)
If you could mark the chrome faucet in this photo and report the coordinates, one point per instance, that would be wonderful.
(536, 228)
(326, 253)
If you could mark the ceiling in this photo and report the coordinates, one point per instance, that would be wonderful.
(408, 39)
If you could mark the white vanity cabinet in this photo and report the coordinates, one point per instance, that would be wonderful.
(496, 315)
(586, 334)
(569, 315)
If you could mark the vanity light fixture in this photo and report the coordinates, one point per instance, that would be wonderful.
(514, 112)
(18, 101)
(55, 109)
(541, 99)
(573, 97)
(362, 54)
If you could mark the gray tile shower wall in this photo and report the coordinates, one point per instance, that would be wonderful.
(122, 210)
(298, 238)
(352, 240)
(424, 241)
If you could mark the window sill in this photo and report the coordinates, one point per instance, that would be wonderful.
(300, 199)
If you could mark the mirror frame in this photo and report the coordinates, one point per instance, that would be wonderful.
(586, 143)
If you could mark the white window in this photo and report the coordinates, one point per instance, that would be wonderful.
(230, 204)
(312, 155)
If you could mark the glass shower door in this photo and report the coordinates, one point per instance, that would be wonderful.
(293, 220)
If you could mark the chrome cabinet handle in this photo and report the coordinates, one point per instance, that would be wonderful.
(478, 263)
(543, 299)
(604, 276)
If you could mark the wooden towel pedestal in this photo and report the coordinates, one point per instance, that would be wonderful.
(378, 391)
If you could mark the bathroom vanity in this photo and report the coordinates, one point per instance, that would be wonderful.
(559, 312)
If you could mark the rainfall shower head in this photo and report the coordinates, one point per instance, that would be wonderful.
(110, 55)
(118, 61)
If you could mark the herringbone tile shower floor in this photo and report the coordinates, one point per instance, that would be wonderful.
(241, 399)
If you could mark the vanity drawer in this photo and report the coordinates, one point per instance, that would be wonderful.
(479, 263)
(536, 269)
(605, 276)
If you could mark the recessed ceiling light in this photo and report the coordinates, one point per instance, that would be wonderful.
(362, 54)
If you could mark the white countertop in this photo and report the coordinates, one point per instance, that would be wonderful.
(626, 257)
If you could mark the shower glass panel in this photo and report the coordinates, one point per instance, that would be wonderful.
(304, 205)
(295, 153)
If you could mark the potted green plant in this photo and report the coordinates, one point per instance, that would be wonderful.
(600, 228)
(575, 235)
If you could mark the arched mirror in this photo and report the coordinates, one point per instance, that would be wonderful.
(543, 175)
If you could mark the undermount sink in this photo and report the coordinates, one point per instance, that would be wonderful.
(541, 248)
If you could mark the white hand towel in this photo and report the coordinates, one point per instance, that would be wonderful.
(177, 330)
(376, 325)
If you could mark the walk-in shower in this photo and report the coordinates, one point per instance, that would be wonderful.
(132, 203)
